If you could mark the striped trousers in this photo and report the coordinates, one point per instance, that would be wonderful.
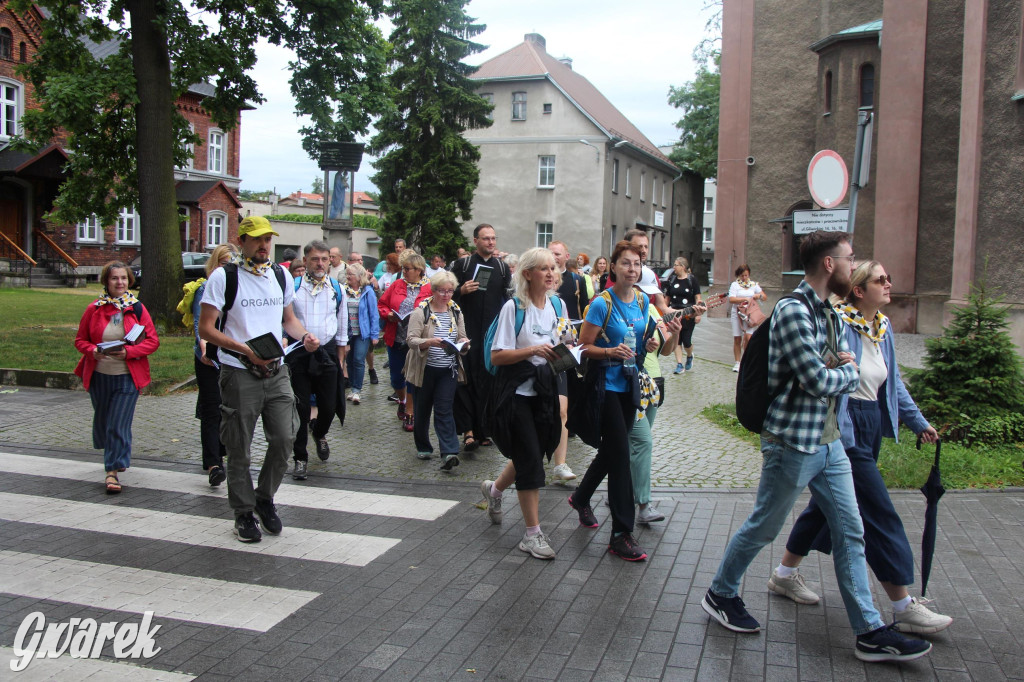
(113, 403)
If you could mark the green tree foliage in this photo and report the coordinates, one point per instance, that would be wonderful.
(253, 195)
(318, 186)
(117, 118)
(697, 149)
(368, 222)
(426, 170)
(972, 371)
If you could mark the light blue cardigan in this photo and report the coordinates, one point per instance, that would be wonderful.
(369, 318)
(895, 402)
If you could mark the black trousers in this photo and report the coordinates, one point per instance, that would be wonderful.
(208, 413)
(470, 397)
(314, 373)
(612, 460)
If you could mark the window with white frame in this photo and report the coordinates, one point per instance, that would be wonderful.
(127, 226)
(10, 104)
(216, 228)
(664, 187)
(614, 234)
(545, 233)
(654, 191)
(643, 179)
(89, 230)
(489, 98)
(215, 152)
(190, 149)
(627, 182)
(615, 176)
(709, 204)
(546, 171)
(518, 106)
(707, 234)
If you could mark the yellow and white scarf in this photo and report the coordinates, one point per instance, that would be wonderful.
(746, 285)
(874, 332)
(249, 265)
(122, 302)
(316, 286)
(453, 307)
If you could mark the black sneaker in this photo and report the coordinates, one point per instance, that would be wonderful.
(323, 450)
(267, 512)
(731, 612)
(393, 397)
(246, 528)
(626, 546)
(587, 518)
(886, 644)
(217, 476)
(450, 461)
(373, 377)
(299, 472)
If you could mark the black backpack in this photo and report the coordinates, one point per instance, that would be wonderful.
(752, 396)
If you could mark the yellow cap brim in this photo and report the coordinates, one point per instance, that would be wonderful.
(260, 231)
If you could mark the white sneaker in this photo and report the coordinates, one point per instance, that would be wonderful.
(792, 587)
(919, 619)
(736, 367)
(562, 472)
(648, 514)
(354, 397)
(493, 503)
(349, 396)
(537, 545)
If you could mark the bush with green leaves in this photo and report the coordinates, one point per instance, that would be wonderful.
(973, 381)
(296, 218)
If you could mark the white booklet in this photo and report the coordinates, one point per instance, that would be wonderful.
(452, 348)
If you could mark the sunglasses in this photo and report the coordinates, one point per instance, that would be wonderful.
(882, 280)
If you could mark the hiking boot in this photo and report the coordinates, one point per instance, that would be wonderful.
(626, 546)
(730, 612)
(450, 462)
(792, 587)
(493, 503)
(323, 450)
(562, 472)
(679, 368)
(648, 514)
(689, 363)
(246, 528)
(299, 472)
(216, 476)
(886, 644)
(587, 518)
(267, 512)
(537, 546)
(920, 619)
(373, 377)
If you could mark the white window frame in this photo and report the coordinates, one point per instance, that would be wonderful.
(213, 240)
(654, 190)
(546, 172)
(190, 162)
(709, 204)
(216, 152)
(83, 228)
(664, 186)
(627, 181)
(547, 236)
(17, 104)
(708, 237)
(127, 228)
(615, 176)
(519, 106)
(643, 179)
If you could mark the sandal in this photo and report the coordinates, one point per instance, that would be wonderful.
(113, 485)
(469, 443)
(487, 442)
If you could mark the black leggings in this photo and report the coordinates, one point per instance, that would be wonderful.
(612, 460)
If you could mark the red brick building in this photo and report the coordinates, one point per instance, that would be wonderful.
(207, 188)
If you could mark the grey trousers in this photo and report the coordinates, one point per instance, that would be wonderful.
(244, 398)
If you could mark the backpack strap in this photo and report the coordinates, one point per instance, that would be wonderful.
(337, 293)
(520, 317)
(137, 309)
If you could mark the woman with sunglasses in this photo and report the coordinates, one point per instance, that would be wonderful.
(875, 409)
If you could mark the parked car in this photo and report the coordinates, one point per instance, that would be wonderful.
(193, 263)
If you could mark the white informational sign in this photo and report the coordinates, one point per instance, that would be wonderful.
(827, 178)
(835, 220)
(659, 219)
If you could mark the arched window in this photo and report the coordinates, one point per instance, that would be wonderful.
(828, 92)
(6, 43)
(867, 85)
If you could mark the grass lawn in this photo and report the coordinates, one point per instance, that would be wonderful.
(904, 466)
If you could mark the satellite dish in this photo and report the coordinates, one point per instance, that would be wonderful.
(827, 178)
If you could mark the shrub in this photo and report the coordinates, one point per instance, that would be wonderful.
(295, 218)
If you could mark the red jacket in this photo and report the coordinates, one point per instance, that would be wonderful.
(391, 300)
(90, 332)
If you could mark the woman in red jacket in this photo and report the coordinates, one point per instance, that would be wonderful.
(113, 378)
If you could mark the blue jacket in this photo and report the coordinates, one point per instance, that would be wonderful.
(369, 318)
(894, 400)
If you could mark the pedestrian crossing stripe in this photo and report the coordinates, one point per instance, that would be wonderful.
(77, 669)
(203, 531)
(137, 590)
(293, 495)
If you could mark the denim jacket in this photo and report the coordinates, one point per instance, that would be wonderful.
(369, 318)
(896, 403)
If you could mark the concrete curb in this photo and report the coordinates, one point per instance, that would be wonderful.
(38, 378)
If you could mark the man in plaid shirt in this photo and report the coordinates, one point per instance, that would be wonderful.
(810, 361)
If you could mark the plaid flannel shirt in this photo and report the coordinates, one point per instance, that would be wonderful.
(795, 342)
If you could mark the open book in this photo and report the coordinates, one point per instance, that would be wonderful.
(568, 358)
(137, 333)
(266, 346)
(451, 348)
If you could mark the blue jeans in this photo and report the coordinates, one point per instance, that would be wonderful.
(356, 359)
(437, 393)
(396, 364)
(784, 474)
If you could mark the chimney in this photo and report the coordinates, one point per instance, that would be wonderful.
(537, 39)
(567, 61)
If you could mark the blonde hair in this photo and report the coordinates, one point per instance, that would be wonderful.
(217, 255)
(861, 275)
(443, 277)
(413, 260)
(529, 261)
(360, 272)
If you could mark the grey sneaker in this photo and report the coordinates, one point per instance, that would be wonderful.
(792, 587)
(920, 619)
(493, 503)
(537, 546)
(648, 514)
(323, 450)
(299, 472)
(562, 472)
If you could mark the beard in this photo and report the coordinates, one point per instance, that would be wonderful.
(839, 284)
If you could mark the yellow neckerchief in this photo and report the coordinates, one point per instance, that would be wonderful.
(352, 293)
(420, 284)
(873, 332)
(748, 285)
(316, 286)
(185, 304)
(249, 265)
(453, 307)
(122, 302)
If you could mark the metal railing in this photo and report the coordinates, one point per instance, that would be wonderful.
(18, 261)
(54, 258)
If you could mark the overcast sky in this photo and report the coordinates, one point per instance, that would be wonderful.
(632, 52)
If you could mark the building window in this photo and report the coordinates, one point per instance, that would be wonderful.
(709, 204)
(654, 191)
(828, 92)
(6, 44)
(518, 106)
(10, 103)
(89, 230)
(707, 235)
(547, 107)
(215, 152)
(216, 228)
(489, 98)
(546, 171)
(615, 176)
(128, 226)
(627, 182)
(545, 233)
(190, 150)
(664, 188)
(867, 85)
(643, 179)
(22, 55)
(611, 246)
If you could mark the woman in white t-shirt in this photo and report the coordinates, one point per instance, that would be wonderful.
(541, 330)
(742, 292)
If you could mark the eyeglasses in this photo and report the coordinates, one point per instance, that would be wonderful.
(445, 292)
(408, 268)
(882, 280)
(851, 258)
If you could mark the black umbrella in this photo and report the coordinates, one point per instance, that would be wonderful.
(932, 490)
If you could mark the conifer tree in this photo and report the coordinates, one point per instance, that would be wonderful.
(426, 171)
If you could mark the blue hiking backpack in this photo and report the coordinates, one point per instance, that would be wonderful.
(520, 318)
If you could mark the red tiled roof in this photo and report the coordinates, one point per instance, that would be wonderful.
(308, 196)
(363, 198)
(529, 59)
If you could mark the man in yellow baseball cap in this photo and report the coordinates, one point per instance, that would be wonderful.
(255, 226)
